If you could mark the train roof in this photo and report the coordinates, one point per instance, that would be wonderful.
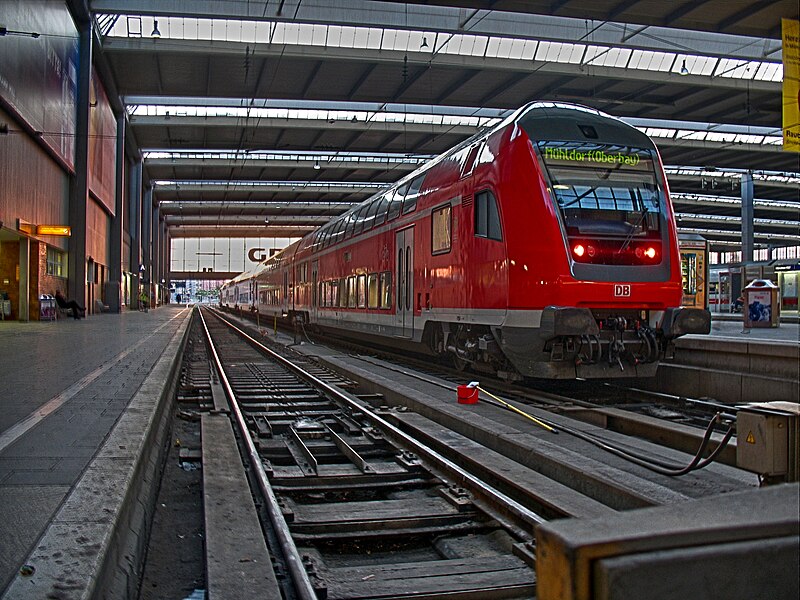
(549, 118)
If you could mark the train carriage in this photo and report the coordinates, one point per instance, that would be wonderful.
(544, 247)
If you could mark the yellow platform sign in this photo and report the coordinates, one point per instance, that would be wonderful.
(791, 84)
(63, 230)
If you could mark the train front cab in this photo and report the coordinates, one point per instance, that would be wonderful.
(615, 287)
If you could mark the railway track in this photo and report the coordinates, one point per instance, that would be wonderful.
(382, 494)
(670, 420)
(356, 507)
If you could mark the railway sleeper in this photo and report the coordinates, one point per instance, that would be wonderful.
(355, 486)
(463, 567)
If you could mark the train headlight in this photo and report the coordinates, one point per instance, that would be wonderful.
(578, 250)
(650, 253)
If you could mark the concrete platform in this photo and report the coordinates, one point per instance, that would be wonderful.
(734, 364)
(82, 433)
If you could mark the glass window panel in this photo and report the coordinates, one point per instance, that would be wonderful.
(219, 29)
(342, 294)
(492, 46)
(504, 48)
(374, 38)
(248, 31)
(373, 298)
(351, 292)
(396, 201)
(389, 37)
(319, 35)
(530, 49)
(386, 289)
(361, 38)
(441, 223)
(481, 41)
(410, 200)
(203, 29)
(361, 291)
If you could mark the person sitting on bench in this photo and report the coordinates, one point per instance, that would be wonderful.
(77, 311)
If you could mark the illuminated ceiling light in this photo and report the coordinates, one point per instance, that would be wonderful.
(155, 33)
(684, 70)
(316, 165)
(424, 43)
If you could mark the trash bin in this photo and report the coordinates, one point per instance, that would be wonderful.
(761, 305)
(47, 308)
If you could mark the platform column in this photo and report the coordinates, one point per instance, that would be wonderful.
(112, 292)
(156, 249)
(747, 217)
(79, 190)
(147, 235)
(135, 230)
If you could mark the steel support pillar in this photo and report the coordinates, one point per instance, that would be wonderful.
(79, 189)
(135, 231)
(114, 283)
(747, 217)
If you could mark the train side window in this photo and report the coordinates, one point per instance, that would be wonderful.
(361, 291)
(360, 219)
(351, 292)
(441, 229)
(382, 210)
(373, 298)
(410, 201)
(469, 162)
(334, 293)
(351, 223)
(338, 231)
(487, 217)
(396, 202)
(372, 213)
(386, 289)
(343, 293)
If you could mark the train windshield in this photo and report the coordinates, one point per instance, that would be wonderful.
(605, 192)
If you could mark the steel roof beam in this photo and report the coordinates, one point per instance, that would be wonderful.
(264, 231)
(395, 57)
(300, 187)
(161, 121)
(307, 163)
(366, 13)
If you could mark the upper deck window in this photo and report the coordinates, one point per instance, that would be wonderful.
(410, 201)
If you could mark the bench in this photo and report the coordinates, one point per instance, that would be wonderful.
(99, 307)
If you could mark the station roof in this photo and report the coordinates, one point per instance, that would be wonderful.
(279, 115)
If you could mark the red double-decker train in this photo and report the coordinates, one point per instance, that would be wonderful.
(544, 247)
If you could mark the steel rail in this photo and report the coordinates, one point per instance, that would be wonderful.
(466, 478)
(303, 587)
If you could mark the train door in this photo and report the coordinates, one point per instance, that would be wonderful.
(405, 282)
(314, 290)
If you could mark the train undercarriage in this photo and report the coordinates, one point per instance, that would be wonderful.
(569, 343)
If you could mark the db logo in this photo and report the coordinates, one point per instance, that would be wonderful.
(621, 290)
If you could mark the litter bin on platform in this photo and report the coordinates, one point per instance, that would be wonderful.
(761, 305)
(47, 308)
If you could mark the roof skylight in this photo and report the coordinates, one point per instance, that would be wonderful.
(432, 43)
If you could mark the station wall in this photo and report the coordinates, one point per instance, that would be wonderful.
(38, 105)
